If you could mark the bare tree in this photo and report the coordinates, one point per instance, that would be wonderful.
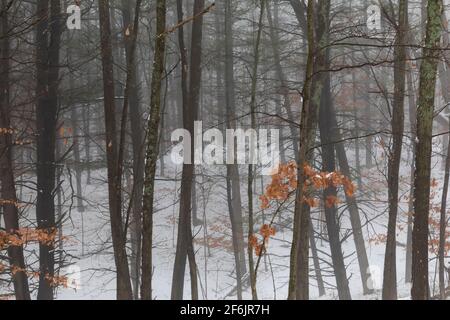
(124, 291)
(390, 264)
(428, 73)
(152, 150)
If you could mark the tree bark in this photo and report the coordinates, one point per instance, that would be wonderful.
(321, 99)
(256, 58)
(152, 150)
(233, 169)
(190, 115)
(48, 39)
(299, 258)
(395, 154)
(130, 30)
(428, 73)
(443, 225)
(8, 188)
(124, 291)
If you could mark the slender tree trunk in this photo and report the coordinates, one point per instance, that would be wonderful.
(233, 169)
(77, 157)
(275, 41)
(124, 291)
(190, 115)
(299, 258)
(353, 209)
(428, 73)
(443, 226)
(444, 76)
(322, 99)
(137, 139)
(87, 144)
(316, 262)
(395, 155)
(256, 58)
(412, 119)
(8, 188)
(152, 150)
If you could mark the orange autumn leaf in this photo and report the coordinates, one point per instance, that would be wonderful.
(331, 201)
(434, 183)
(311, 202)
(253, 241)
(267, 231)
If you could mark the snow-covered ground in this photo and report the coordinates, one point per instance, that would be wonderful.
(88, 235)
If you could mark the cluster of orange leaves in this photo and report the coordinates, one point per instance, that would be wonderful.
(6, 131)
(433, 222)
(10, 132)
(55, 281)
(284, 182)
(215, 242)
(266, 232)
(378, 239)
(10, 203)
(24, 236)
(434, 241)
(218, 237)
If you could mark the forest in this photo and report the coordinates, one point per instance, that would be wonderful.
(233, 150)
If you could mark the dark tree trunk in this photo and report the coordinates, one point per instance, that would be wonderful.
(395, 154)
(329, 162)
(48, 43)
(190, 115)
(299, 258)
(77, 157)
(275, 41)
(256, 57)
(8, 188)
(124, 291)
(137, 140)
(233, 170)
(412, 120)
(316, 262)
(443, 225)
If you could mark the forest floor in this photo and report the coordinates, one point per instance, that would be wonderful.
(89, 240)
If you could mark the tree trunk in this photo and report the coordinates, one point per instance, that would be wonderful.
(233, 169)
(275, 41)
(443, 226)
(152, 150)
(395, 155)
(190, 115)
(299, 258)
(256, 58)
(428, 73)
(124, 291)
(353, 209)
(137, 140)
(322, 100)
(412, 119)
(48, 43)
(77, 157)
(8, 188)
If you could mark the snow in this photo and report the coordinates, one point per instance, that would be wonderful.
(216, 268)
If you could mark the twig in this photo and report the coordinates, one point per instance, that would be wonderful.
(182, 23)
